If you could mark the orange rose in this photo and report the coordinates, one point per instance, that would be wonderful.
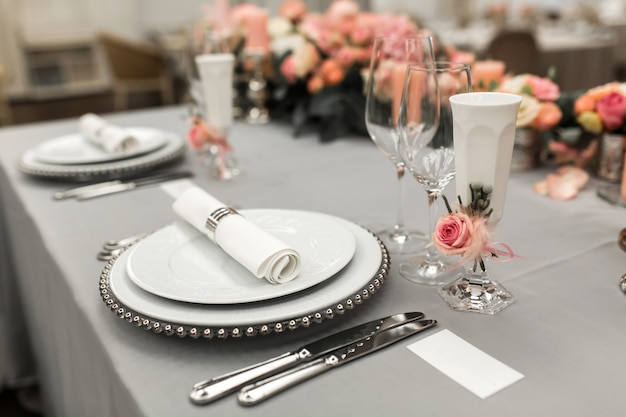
(331, 72)
(549, 116)
(315, 84)
(584, 103)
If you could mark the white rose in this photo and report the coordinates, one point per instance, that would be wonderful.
(293, 42)
(514, 84)
(279, 26)
(528, 110)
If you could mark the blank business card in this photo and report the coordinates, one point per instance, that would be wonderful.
(464, 363)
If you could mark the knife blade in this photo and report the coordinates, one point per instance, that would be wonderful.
(210, 390)
(264, 389)
(131, 185)
(74, 191)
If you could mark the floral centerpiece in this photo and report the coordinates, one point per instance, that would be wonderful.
(538, 109)
(602, 109)
(319, 60)
(322, 61)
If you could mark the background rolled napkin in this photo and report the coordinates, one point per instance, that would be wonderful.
(259, 251)
(109, 137)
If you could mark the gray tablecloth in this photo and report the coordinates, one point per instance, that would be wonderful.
(565, 332)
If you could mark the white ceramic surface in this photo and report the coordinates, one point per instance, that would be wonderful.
(484, 134)
(74, 149)
(350, 280)
(181, 263)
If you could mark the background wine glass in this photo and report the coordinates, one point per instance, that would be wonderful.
(390, 57)
(426, 146)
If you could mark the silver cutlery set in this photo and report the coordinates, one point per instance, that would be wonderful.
(266, 379)
(87, 192)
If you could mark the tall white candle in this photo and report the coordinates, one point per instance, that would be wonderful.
(484, 133)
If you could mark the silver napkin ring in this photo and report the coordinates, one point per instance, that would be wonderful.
(215, 217)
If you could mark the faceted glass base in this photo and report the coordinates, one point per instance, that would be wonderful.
(612, 194)
(403, 242)
(475, 292)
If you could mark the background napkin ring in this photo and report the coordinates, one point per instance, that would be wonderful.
(215, 217)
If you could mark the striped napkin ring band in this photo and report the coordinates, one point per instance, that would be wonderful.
(214, 218)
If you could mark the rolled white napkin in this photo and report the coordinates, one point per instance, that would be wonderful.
(260, 252)
(109, 137)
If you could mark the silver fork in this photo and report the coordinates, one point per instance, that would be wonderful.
(112, 248)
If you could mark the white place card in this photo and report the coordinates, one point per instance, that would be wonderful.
(469, 366)
(176, 188)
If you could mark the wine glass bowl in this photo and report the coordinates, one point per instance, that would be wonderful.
(390, 57)
(426, 147)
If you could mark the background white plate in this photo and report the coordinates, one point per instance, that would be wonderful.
(367, 265)
(181, 263)
(174, 149)
(75, 149)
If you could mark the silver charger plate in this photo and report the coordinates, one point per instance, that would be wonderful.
(174, 148)
(354, 284)
(181, 263)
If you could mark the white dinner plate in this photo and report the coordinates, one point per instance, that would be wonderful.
(351, 286)
(74, 149)
(181, 263)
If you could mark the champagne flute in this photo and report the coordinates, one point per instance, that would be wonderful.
(426, 146)
(390, 57)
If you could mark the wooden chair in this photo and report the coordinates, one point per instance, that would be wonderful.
(5, 111)
(517, 49)
(136, 68)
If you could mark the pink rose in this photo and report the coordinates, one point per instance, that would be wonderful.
(611, 109)
(543, 88)
(288, 69)
(453, 233)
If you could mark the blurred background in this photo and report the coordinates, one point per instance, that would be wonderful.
(55, 61)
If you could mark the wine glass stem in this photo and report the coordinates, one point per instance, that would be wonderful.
(432, 255)
(400, 172)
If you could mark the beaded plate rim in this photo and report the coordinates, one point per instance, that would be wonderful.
(216, 332)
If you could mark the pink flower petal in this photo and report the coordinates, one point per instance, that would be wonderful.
(541, 187)
(578, 176)
(561, 187)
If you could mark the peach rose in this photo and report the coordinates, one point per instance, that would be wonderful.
(315, 84)
(331, 72)
(293, 10)
(584, 103)
(549, 116)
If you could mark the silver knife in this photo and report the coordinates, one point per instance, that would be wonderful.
(262, 390)
(131, 185)
(73, 192)
(208, 391)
